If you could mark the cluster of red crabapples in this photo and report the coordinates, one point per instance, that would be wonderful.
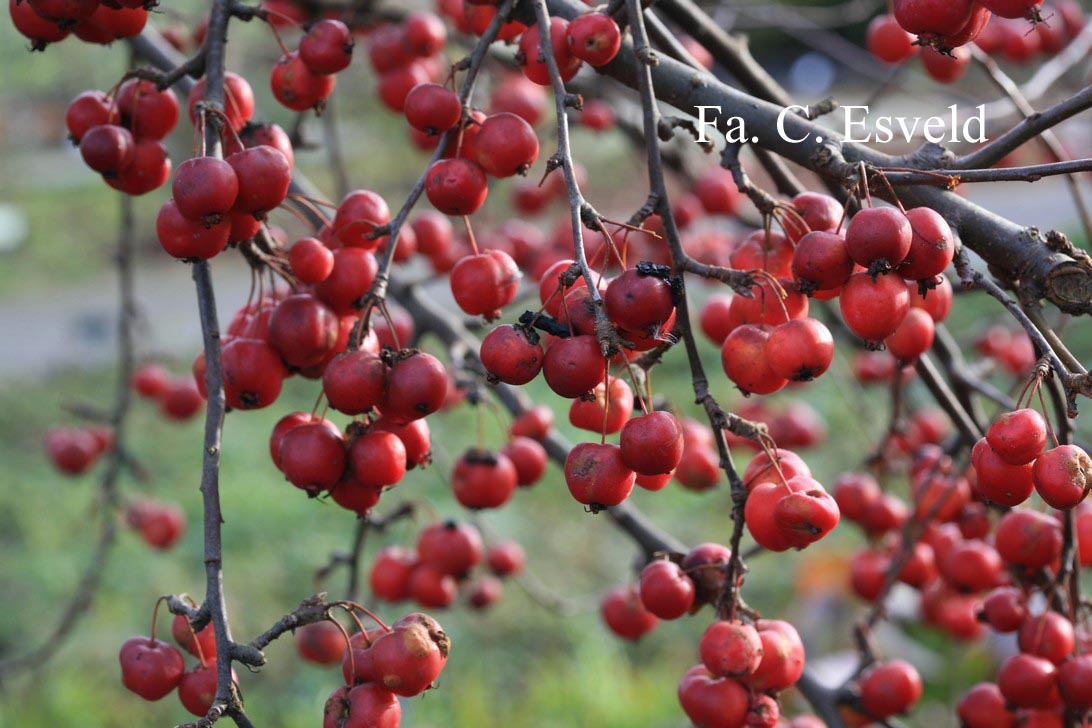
(942, 28)
(502, 144)
(744, 664)
(50, 21)
(381, 665)
(153, 669)
(304, 78)
(219, 201)
(178, 397)
(441, 565)
(120, 133)
(885, 269)
(975, 570)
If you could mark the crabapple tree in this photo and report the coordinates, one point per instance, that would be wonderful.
(779, 250)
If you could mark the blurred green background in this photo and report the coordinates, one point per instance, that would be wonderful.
(517, 664)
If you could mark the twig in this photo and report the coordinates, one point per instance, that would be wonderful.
(1047, 139)
(228, 700)
(728, 598)
(580, 212)
(951, 179)
(473, 66)
(1031, 127)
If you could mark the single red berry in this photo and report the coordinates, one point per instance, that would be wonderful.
(484, 283)
(730, 649)
(390, 573)
(574, 366)
(355, 382)
(87, 110)
(253, 373)
(1049, 635)
(746, 361)
(327, 47)
(424, 34)
(512, 354)
(636, 301)
(366, 705)
(505, 145)
(303, 330)
(1005, 608)
(1028, 538)
(189, 239)
(377, 459)
(932, 246)
(181, 400)
(596, 475)
(890, 688)
(652, 444)
(415, 438)
(453, 548)
(1004, 484)
(624, 614)
(933, 17)
(873, 309)
(529, 457)
(204, 188)
(37, 29)
(666, 590)
(505, 558)
(238, 99)
(608, 409)
(807, 514)
(1018, 437)
(1063, 476)
(267, 134)
(800, 350)
(322, 643)
(149, 667)
(879, 236)
(149, 113)
(983, 706)
(530, 52)
(107, 149)
(821, 261)
(483, 479)
(913, 337)
(312, 457)
(456, 186)
(594, 37)
(431, 588)
(297, 86)
(410, 657)
(432, 108)
(943, 67)
(311, 261)
(711, 701)
(888, 41)
(264, 175)
(416, 387)
(1075, 683)
(1028, 681)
